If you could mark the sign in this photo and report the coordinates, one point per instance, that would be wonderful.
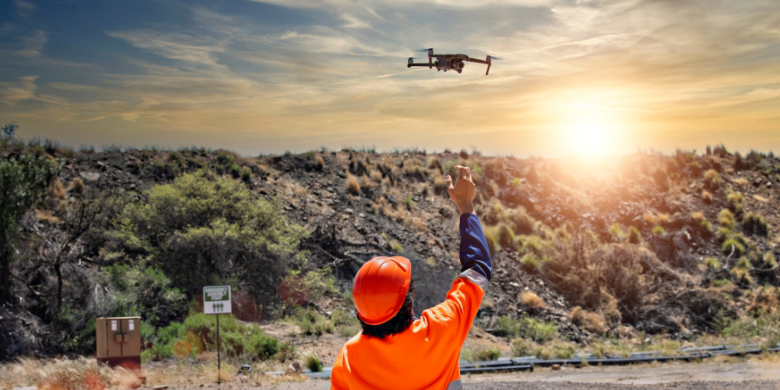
(216, 300)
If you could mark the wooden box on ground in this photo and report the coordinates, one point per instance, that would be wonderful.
(119, 341)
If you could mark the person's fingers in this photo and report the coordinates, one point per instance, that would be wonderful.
(450, 187)
(461, 172)
(467, 174)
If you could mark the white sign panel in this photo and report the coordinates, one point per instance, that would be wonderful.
(216, 300)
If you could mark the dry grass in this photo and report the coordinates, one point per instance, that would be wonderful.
(531, 300)
(76, 186)
(593, 322)
(57, 190)
(46, 216)
(650, 218)
(352, 185)
(62, 374)
(706, 197)
(320, 162)
(741, 181)
(697, 216)
(376, 176)
(366, 184)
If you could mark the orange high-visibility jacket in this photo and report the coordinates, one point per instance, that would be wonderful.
(425, 355)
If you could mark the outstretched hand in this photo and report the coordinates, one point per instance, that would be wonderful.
(463, 192)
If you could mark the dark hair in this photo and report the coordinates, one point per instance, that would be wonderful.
(397, 324)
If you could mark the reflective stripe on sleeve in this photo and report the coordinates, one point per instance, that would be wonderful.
(455, 385)
(476, 277)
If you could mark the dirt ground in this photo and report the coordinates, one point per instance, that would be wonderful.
(746, 375)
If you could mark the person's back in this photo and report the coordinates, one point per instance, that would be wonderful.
(395, 351)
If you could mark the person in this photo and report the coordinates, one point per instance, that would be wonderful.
(395, 350)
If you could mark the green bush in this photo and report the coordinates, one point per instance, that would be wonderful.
(235, 339)
(726, 219)
(734, 242)
(509, 326)
(523, 347)
(23, 182)
(312, 362)
(736, 201)
(202, 229)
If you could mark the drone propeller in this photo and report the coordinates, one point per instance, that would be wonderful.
(423, 50)
(495, 58)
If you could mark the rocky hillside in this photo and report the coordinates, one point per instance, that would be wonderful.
(646, 242)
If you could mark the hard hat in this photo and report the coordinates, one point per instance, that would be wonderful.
(380, 288)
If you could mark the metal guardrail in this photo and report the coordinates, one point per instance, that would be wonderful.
(527, 363)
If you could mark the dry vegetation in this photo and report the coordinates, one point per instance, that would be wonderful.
(671, 249)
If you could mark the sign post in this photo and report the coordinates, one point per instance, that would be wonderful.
(217, 300)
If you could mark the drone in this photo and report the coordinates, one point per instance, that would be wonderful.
(447, 62)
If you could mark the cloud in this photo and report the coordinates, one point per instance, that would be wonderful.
(14, 92)
(24, 9)
(33, 44)
(187, 48)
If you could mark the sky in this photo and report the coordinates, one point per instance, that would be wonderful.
(591, 77)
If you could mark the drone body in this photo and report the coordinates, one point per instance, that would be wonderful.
(447, 62)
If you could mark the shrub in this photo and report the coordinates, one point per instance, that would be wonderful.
(593, 322)
(616, 232)
(706, 197)
(482, 354)
(522, 222)
(733, 244)
(367, 185)
(312, 362)
(658, 230)
(531, 300)
(201, 229)
(515, 182)
(492, 241)
(434, 163)
(711, 179)
(563, 350)
(754, 223)
(439, 184)
(634, 235)
(536, 330)
(712, 263)
(522, 347)
(726, 219)
(246, 174)
(352, 185)
(396, 247)
(697, 216)
(530, 262)
(736, 201)
(707, 225)
(508, 326)
(506, 237)
(76, 186)
(320, 162)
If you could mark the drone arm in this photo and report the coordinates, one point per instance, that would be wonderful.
(478, 61)
(419, 64)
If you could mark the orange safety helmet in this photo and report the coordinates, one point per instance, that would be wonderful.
(380, 288)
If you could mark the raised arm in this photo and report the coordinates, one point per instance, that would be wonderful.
(474, 255)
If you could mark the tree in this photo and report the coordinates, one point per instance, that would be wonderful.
(23, 182)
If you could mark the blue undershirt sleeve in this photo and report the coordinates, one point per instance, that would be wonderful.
(474, 252)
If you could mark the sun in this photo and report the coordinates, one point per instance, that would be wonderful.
(591, 134)
(589, 139)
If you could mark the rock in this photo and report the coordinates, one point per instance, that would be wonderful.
(361, 215)
(293, 368)
(89, 176)
(160, 387)
(556, 367)
(349, 211)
